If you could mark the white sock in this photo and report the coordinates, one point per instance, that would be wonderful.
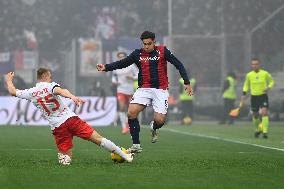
(111, 147)
(122, 117)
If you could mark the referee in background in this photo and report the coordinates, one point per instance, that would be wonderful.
(259, 82)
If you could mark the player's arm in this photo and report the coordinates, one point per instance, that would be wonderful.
(9, 82)
(271, 82)
(226, 85)
(67, 94)
(24, 94)
(118, 64)
(179, 66)
(245, 90)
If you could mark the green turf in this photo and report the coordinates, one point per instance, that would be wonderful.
(175, 161)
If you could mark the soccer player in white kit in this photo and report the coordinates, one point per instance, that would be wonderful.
(123, 79)
(64, 123)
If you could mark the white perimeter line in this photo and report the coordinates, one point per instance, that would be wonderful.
(223, 139)
(179, 132)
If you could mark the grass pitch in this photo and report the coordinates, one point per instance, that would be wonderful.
(199, 156)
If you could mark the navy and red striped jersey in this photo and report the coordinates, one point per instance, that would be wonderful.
(152, 67)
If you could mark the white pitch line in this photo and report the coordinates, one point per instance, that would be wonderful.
(223, 139)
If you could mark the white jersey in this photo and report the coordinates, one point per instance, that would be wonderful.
(123, 78)
(51, 105)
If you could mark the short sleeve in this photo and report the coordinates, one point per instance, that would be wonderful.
(53, 86)
(24, 94)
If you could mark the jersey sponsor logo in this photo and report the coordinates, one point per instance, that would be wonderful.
(149, 58)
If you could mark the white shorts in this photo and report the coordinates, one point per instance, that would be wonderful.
(158, 98)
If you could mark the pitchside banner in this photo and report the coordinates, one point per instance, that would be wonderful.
(97, 111)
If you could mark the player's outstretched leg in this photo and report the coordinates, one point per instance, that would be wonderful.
(110, 146)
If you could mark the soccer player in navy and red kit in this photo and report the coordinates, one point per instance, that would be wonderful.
(151, 61)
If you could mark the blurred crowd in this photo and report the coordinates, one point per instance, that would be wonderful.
(54, 23)
(49, 26)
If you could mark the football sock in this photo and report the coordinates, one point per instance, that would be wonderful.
(157, 126)
(255, 121)
(134, 130)
(265, 123)
(111, 147)
(122, 117)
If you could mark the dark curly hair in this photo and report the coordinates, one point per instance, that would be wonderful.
(147, 35)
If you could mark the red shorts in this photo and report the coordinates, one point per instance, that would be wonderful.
(74, 126)
(124, 98)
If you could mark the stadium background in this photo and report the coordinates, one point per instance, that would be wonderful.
(211, 37)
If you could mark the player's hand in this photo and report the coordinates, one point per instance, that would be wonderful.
(10, 76)
(188, 89)
(266, 90)
(243, 99)
(101, 67)
(78, 101)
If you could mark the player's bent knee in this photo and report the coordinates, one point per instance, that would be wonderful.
(160, 121)
(131, 114)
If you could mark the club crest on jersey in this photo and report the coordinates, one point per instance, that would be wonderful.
(149, 58)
